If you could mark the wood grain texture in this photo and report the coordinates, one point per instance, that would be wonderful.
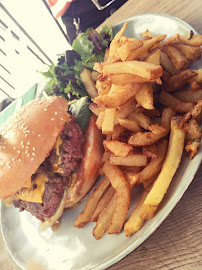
(177, 244)
(189, 11)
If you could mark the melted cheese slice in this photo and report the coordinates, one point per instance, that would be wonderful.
(56, 167)
(34, 192)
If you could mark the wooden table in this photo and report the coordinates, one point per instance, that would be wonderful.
(177, 244)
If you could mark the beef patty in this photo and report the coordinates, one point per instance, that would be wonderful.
(71, 153)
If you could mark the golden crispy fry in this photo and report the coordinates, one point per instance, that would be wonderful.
(189, 96)
(193, 131)
(138, 160)
(194, 86)
(144, 97)
(167, 114)
(177, 81)
(157, 129)
(122, 187)
(100, 120)
(130, 125)
(88, 82)
(147, 33)
(108, 121)
(118, 131)
(192, 148)
(198, 77)
(135, 221)
(174, 103)
(132, 178)
(107, 196)
(189, 52)
(98, 67)
(154, 166)
(122, 78)
(127, 47)
(115, 44)
(147, 44)
(145, 138)
(195, 40)
(141, 119)
(139, 68)
(177, 58)
(94, 75)
(105, 218)
(196, 111)
(118, 95)
(125, 109)
(118, 149)
(150, 151)
(167, 64)
(94, 108)
(170, 165)
(172, 39)
(154, 57)
(106, 55)
(90, 206)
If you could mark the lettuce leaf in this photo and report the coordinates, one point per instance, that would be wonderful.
(80, 110)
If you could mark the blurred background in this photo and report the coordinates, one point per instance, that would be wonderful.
(30, 38)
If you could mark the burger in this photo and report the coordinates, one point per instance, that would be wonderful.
(47, 164)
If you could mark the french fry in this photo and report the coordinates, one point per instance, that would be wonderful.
(154, 57)
(157, 129)
(90, 206)
(145, 138)
(154, 166)
(98, 67)
(118, 149)
(170, 165)
(135, 221)
(147, 44)
(147, 33)
(105, 218)
(130, 125)
(194, 40)
(141, 119)
(198, 77)
(174, 103)
(189, 96)
(139, 68)
(107, 196)
(177, 58)
(144, 96)
(167, 64)
(125, 49)
(192, 148)
(177, 81)
(150, 151)
(88, 82)
(193, 131)
(117, 132)
(189, 52)
(99, 120)
(115, 42)
(122, 187)
(125, 109)
(171, 39)
(94, 108)
(108, 121)
(167, 114)
(118, 95)
(122, 78)
(138, 160)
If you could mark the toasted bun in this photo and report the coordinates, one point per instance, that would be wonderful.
(27, 139)
(88, 170)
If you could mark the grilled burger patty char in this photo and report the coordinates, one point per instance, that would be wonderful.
(70, 151)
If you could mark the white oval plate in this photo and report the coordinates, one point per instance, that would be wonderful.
(76, 249)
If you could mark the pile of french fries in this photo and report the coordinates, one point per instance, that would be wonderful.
(148, 106)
